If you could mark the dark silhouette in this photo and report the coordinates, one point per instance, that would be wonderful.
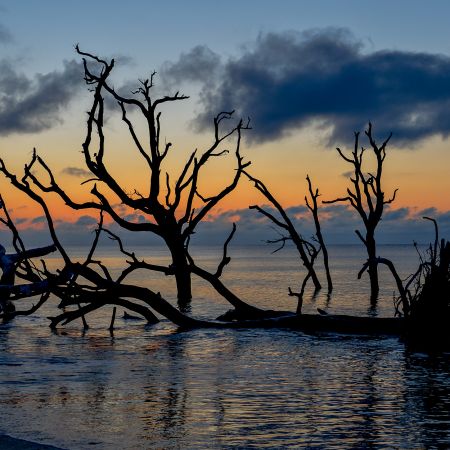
(170, 214)
(83, 289)
(10, 263)
(313, 207)
(85, 286)
(367, 197)
(428, 291)
(424, 297)
(307, 251)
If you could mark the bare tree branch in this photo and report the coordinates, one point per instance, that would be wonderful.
(286, 224)
(367, 197)
(313, 207)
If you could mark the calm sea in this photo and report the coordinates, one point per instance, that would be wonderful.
(159, 387)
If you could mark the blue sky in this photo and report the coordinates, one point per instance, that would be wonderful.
(44, 32)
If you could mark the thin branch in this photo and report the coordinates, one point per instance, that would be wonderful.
(270, 217)
(225, 258)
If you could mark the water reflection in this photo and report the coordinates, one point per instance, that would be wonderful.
(429, 400)
(160, 388)
(157, 387)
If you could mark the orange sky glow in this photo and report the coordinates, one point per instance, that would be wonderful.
(419, 173)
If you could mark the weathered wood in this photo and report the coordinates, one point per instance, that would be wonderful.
(9, 262)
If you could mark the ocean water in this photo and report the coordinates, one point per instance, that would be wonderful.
(161, 387)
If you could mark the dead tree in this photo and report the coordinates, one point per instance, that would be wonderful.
(79, 286)
(172, 214)
(169, 206)
(306, 250)
(424, 296)
(367, 197)
(313, 207)
(86, 286)
(430, 299)
(242, 310)
(10, 263)
(403, 301)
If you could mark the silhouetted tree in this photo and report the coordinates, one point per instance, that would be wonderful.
(307, 251)
(429, 294)
(171, 214)
(313, 207)
(85, 286)
(424, 296)
(367, 197)
(81, 288)
(19, 264)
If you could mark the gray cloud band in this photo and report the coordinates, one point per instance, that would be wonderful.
(404, 226)
(76, 172)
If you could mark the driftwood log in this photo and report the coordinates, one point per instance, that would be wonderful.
(9, 291)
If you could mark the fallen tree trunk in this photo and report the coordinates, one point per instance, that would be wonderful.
(332, 323)
(109, 290)
(340, 323)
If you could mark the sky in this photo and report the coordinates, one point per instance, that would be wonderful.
(307, 73)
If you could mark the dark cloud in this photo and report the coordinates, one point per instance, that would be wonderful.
(120, 208)
(429, 212)
(34, 104)
(325, 78)
(76, 172)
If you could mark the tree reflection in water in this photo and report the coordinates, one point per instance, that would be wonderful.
(157, 387)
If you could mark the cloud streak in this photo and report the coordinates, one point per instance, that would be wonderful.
(288, 81)
(76, 172)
